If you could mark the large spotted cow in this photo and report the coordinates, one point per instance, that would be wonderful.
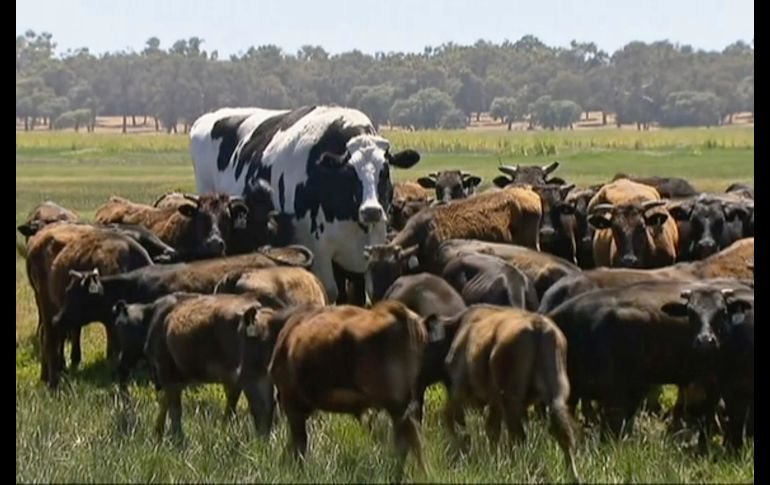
(327, 166)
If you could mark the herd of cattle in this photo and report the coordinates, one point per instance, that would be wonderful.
(530, 292)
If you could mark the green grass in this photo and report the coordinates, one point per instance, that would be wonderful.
(81, 434)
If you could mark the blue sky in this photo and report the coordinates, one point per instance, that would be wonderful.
(383, 25)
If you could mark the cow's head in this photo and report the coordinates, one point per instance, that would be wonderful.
(632, 225)
(709, 219)
(210, 221)
(451, 184)
(131, 324)
(579, 199)
(532, 175)
(743, 211)
(404, 209)
(711, 313)
(83, 300)
(558, 225)
(385, 264)
(367, 158)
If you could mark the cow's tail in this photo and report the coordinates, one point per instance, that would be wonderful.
(551, 376)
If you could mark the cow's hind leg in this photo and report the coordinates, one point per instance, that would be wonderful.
(296, 415)
(76, 353)
(232, 394)
(406, 437)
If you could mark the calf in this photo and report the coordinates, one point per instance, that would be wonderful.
(132, 322)
(347, 359)
(92, 297)
(508, 359)
(277, 287)
(451, 184)
(482, 278)
(634, 230)
(199, 229)
(542, 269)
(432, 298)
(214, 339)
(55, 256)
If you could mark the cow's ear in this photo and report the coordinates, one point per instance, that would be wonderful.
(738, 306)
(656, 219)
(599, 221)
(502, 181)
(557, 181)
(680, 212)
(733, 212)
(426, 182)
(674, 309)
(404, 159)
(188, 210)
(29, 229)
(472, 181)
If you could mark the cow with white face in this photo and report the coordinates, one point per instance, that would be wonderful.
(328, 168)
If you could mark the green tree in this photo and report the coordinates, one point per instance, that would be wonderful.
(507, 109)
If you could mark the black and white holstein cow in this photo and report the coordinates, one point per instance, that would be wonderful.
(327, 166)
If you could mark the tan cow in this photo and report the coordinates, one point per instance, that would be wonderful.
(347, 359)
(276, 287)
(507, 359)
(633, 229)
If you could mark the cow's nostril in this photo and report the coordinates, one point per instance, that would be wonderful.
(371, 214)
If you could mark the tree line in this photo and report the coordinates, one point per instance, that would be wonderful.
(442, 87)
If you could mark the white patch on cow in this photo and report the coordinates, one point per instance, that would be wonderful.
(738, 318)
(367, 155)
(240, 221)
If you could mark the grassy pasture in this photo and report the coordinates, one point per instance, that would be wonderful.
(82, 435)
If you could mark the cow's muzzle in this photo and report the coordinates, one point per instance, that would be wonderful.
(371, 215)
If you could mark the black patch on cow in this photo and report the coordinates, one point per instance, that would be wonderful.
(281, 193)
(252, 150)
(335, 188)
(227, 130)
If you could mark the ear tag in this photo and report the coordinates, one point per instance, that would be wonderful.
(739, 318)
(413, 262)
(251, 330)
(93, 288)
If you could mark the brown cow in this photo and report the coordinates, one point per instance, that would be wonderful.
(199, 229)
(506, 359)
(54, 255)
(251, 229)
(212, 338)
(511, 215)
(634, 230)
(666, 186)
(409, 198)
(347, 359)
(43, 214)
(278, 287)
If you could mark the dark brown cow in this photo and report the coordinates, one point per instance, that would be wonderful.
(199, 229)
(579, 199)
(623, 341)
(668, 187)
(346, 359)
(145, 285)
(542, 269)
(277, 287)
(507, 359)
(731, 262)
(483, 278)
(216, 339)
(432, 298)
(451, 184)
(55, 256)
(559, 226)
